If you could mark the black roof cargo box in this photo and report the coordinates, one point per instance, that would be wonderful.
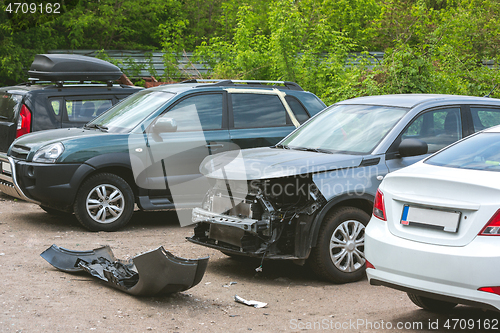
(72, 67)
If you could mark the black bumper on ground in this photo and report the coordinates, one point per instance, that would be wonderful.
(152, 273)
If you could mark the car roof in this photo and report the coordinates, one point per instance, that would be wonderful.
(411, 100)
(233, 84)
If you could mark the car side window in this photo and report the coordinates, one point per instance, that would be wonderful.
(298, 110)
(257, 110)
(438, 128)
(483, 117)
(200, 110)
(85, 110)
(56, 105)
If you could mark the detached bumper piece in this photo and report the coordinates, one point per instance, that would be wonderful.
(155, 272)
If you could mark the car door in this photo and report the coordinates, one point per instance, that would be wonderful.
(198, 128)
(438, 128)
(257, 119)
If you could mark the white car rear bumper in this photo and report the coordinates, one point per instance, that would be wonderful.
(453, 272)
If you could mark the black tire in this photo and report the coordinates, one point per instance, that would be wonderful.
(95, 212)
(351, 266)
(55, 212)
(431, 304)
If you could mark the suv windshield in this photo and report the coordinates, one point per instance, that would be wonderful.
(125, 116)
(9, 104)
(480, 152)
(355, 129)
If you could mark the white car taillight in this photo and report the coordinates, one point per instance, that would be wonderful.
(492, 228)
(379, 207)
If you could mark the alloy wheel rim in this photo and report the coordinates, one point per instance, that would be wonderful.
(105, 203)
(347, 246)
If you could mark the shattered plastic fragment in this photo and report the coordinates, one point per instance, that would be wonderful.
(151, 273)
(255, 304)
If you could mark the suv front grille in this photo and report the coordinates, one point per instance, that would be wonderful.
(20, 152)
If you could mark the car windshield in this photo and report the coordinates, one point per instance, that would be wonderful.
(355, 129)
(480, 152)
(125, 116)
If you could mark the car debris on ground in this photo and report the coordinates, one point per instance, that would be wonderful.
(155, 272)
(255, 304)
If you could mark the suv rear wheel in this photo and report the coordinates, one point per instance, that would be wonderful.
(339, 254)
(104, 202)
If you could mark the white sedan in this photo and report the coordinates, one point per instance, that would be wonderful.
(435, 228)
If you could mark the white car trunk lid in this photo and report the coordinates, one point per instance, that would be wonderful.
(440, 205)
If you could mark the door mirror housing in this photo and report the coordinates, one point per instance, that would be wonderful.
(163, 125)
(412, 147)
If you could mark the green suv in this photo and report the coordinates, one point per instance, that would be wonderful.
(147, 149)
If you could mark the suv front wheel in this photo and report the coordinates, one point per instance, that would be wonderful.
(104, 202)
(339, 254)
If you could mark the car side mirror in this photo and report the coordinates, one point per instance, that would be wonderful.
(163, 125)
(412, 147)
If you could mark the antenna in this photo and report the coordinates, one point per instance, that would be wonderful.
(491, 90)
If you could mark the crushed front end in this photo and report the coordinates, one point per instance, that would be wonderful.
(268, 218)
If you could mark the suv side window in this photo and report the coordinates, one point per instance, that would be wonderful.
(438, 128)
(204, 110)
(56, 105)
(84, 110)
(257, 110)
(483, 117)
(298, 110)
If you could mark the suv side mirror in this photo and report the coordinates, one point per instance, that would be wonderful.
(163, 125)
(412, 147)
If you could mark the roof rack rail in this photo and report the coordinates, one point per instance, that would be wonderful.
(287, 84)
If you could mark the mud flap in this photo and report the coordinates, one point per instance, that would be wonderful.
(155, 272)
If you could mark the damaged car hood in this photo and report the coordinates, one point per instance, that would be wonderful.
(267, 163)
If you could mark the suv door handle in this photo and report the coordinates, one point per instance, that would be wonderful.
(217, 145)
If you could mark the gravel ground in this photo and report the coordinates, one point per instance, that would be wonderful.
(35, 297)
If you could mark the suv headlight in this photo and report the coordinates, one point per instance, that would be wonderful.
(49, 153)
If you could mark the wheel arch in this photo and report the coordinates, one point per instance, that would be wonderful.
(118, 170)
(115, 163)
(364, 202)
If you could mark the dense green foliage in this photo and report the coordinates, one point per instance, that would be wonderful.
(431, 46)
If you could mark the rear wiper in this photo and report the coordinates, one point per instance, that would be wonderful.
(3, 117)
(100, 127)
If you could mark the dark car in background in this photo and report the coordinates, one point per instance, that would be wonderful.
(62, 92)
(311, 196)
(148, 148)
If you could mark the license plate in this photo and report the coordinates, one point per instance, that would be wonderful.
(434, 218)
(6, 168)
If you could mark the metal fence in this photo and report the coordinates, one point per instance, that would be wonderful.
(138, 63)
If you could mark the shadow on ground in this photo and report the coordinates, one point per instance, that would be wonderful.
(460, 319)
